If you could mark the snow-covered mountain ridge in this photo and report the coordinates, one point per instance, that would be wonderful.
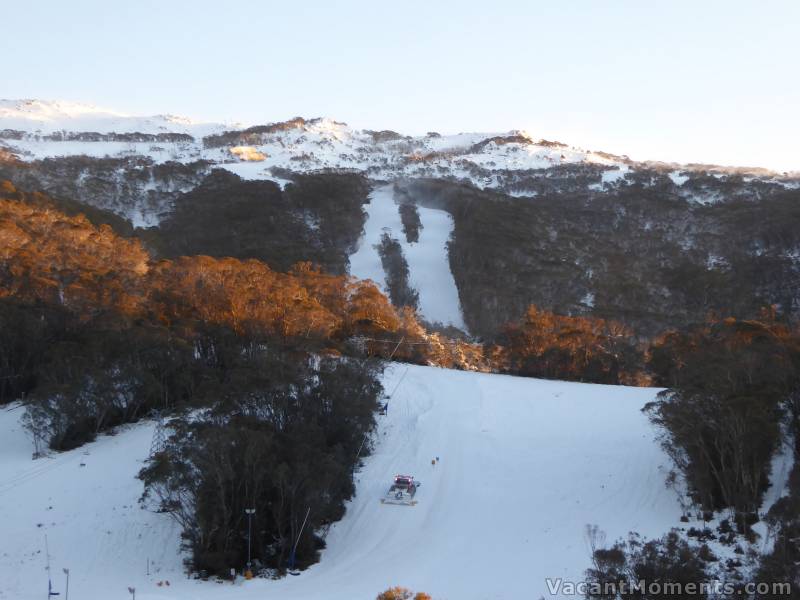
(36, 129)
(43, 117)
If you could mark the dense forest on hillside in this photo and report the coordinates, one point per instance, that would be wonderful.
(317, 218)
(639, 254)
(731, 385)
(69, 262)
(201, 210)
(127, 186)
(262, 348)
(645, 252)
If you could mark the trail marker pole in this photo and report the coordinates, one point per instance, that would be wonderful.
(250, 512)
(50, 592)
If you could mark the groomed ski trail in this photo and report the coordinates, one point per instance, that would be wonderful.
(524, 466)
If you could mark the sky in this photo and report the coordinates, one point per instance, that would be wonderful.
(682, 81)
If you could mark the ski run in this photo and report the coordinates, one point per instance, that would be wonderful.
(524, 465)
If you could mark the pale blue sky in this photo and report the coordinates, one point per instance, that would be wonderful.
(691, 81)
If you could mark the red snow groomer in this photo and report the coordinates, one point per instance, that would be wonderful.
(402, 492)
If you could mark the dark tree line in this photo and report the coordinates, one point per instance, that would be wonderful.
(730, 385)
(397, 274)
(544, 344)
(409, 216)
(668, 567)
(317, 218)
(88, 378)
(640, 254)
(282, 435)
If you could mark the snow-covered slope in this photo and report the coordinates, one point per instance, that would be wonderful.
(46, 117)
(85, 502)
(524, 466)
(515, 162)
(427, 258)
(36, 129)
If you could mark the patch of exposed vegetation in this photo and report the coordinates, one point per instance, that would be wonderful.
(395, 267)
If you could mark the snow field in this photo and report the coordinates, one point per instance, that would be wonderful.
(428, 262)
(524, 466)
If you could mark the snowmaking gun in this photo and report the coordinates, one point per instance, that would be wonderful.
(402, 491)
